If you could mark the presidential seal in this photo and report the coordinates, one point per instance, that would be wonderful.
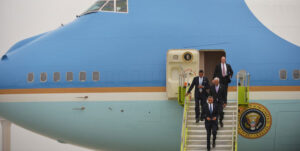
(255, 121)
(188, 57)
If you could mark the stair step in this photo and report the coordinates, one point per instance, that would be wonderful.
(204, 142)
(226, 117)
(227, 107)
(229, 112)
(203, 147)
(204, 136)
(203, 132)
(196, 127)
(228, 102)
(212, 149)
(225, 122)
(192, 108)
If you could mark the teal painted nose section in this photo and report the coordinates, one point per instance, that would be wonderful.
(114, 126)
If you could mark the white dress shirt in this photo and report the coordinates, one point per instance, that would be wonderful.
(211, 106)
(225, 68)
(200, 83)
(200, 80)
(217, 87)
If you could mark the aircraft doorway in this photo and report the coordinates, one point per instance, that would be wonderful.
(209, 58)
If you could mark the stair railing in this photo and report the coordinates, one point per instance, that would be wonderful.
(233, 131)
(184, 130)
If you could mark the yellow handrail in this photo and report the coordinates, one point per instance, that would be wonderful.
(184, 130)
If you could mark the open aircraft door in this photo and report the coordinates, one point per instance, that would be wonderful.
(182, 66)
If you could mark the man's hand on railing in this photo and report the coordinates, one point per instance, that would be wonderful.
(187, 94)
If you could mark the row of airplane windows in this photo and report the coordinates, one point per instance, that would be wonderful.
(283, 74)
(57, 77)
(96, 76)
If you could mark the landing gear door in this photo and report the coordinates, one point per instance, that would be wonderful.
(180, 62)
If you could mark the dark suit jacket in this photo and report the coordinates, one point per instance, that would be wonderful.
(195, 84)
(218, 73)
(220, 96)
(215, 112)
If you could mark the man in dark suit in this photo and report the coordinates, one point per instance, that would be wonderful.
(217, 91)
(211, 120)
(224, 72)
(201, 85)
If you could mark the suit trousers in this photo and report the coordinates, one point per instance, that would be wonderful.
(211, 127)
(203, 99)
(197, 107)
(225, 83)
(221, 112)
(200, 100)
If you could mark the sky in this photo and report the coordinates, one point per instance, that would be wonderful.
(21, 19)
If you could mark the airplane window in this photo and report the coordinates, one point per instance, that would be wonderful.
(43, 77)
(108, 5)
(56, 76)
(30, 77)
(82, 76)
(296, 74)
(283, 74)
(122, 6)
(96, 76)
(69, 76)
(95, 7)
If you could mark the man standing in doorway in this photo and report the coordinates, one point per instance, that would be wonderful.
(211, 120)
(217, 91)
(224, 72)
(201, 85)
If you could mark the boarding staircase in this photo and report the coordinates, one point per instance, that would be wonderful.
(193, 135)
(196, 132)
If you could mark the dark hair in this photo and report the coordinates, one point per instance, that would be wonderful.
(201, 71)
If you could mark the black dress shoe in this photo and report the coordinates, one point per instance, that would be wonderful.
(221, 123)
(201, 119)
(208, 149)
(197, 120)
(214, 144)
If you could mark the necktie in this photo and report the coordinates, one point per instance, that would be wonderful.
(210, 109)
(223, 70)
(217, 89)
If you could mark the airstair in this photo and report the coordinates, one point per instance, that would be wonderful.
(196, 132)
(193, 136)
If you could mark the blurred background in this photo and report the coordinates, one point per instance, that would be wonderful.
(22, 19)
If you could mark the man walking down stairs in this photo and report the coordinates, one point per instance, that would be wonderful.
(211, 113)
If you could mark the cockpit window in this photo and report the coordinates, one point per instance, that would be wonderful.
(108, 6)
(121, 6)
(96, 6)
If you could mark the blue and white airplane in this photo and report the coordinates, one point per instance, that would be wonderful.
(101, 81)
